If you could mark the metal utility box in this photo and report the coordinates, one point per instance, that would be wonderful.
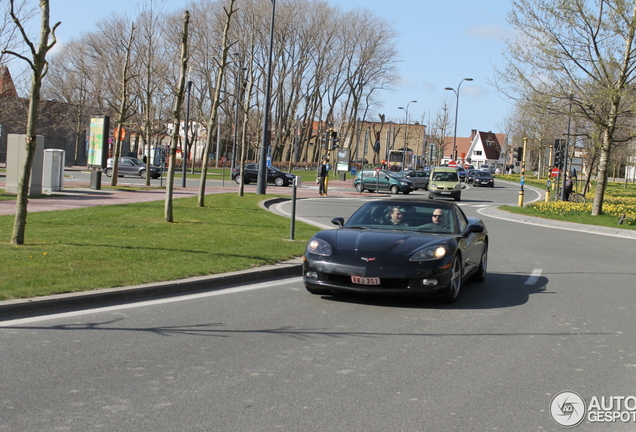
(16, 154)
(53, 171)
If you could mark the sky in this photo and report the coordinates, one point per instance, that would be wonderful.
(439, 44)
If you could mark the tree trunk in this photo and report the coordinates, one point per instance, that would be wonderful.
(168, 214)
(38, 66)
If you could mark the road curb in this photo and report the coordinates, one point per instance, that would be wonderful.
(10, 309)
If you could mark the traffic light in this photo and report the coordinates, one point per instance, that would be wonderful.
(558, 162)
(334, 140)
(519, 153)
(325, 140)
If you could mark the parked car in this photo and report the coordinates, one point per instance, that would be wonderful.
(372, 254)
(130, 166)
(470, 174)
(382, 180)
(418, 177)
(483, 178)
(444, 182)
(274, 175)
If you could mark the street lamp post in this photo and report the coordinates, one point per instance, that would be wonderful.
(406, 131)
(454, 156)
(261, 185)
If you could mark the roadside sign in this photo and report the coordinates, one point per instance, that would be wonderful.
(119, 134)
(554, 172)
(452, 164)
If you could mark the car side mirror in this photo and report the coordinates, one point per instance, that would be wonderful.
(338, 221)
(475, 228)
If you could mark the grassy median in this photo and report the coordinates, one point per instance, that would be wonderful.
(122, 245)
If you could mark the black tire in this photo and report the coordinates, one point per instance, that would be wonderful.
(426, 187)
(108, 172)
(395, 190)
(480, 276)
(280, 182)
(317, 291)
(458, 197)
(455, 284)
(360, 187)
(142, 173)
(237, 179)
(431, 196)
(406, 192)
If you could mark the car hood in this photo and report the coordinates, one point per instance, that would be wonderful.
(380, 243)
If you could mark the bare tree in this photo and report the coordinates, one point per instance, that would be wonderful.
(38, 65)
(176, 113)
(222, 65)
(578, 52)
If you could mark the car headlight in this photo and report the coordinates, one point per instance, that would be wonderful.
(319, 247)
(433, 186)
(457, 187)
(429, 253)
(290, 176)
(404, 183)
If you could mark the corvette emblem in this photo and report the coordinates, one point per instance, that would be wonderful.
(367, 259)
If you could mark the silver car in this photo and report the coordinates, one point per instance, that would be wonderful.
(418, 177)
(130, 166)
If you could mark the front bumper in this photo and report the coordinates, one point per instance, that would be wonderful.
(393, 280)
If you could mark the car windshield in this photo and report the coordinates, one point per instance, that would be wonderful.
(426, 217)
(445, 176)
(484, 174)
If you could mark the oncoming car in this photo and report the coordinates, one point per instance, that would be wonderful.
(444, 182)
(398, 247)
(483, 178)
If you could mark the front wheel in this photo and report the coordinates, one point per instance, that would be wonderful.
(480, 276)
(237, 179)
(108, 172)
(395, 189)
(455, 283)
(279, 181)
(360, 187)
(142, 174)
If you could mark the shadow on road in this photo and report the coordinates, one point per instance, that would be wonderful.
(499, 290)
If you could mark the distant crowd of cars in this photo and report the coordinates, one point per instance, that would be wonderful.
(439, 181)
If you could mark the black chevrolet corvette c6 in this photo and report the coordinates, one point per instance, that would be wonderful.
(399, 247)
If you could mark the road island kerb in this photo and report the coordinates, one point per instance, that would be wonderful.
(78, 197)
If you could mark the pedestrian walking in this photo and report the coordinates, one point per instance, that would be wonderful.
(323, 172)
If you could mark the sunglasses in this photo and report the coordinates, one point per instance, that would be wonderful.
(438, 215)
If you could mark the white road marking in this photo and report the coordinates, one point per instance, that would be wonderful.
(186, 297)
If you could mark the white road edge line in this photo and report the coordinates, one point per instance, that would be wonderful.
(186, 297)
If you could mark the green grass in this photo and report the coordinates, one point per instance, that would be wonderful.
(122, 245)
(619, 201)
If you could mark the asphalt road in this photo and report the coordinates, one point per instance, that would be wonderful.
(555, 313)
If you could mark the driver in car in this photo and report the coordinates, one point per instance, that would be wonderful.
(396, 215)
